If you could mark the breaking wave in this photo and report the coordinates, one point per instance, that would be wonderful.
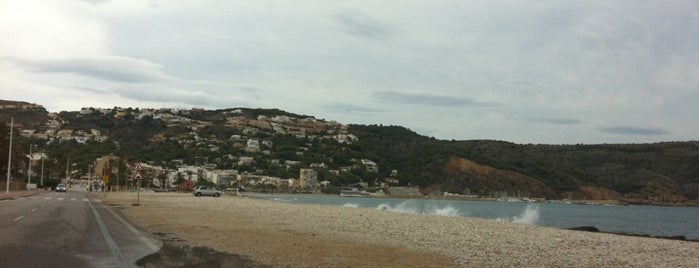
(448, 211)
(530, 216)
(284, 199)
(351, 205)
(407, 207)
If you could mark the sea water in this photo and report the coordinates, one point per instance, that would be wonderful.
(648, 220)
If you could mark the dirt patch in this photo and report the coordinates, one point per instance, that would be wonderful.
(178, 254)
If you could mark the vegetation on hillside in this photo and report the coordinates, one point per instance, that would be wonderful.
(657, 173)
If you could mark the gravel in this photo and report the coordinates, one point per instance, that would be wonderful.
(295, 235)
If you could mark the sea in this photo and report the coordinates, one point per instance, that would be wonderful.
(662, 221)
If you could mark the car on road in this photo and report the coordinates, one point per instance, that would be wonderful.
(61, 187)
(207, 191)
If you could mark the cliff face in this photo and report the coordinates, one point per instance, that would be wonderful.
(593, 193)
(482, 179)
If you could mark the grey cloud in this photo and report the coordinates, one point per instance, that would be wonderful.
(350, 108)
(91, 90)
(358, 23)
(118, 69)
(201, 95)
(523, 83)
(428, 99)
(558, 121)
(624, 130)
(95, 2)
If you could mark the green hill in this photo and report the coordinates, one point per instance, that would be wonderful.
(660, 173)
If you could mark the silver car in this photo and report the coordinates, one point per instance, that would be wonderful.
(206, 190)
(61, 187)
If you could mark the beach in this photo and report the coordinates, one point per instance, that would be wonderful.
(294, 235)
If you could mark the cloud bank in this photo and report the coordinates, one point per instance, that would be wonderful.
(529, 72)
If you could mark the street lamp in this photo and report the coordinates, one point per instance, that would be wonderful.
(68, 178)
(29, 172)
(89, 178)
(9, 157)
(42, 168)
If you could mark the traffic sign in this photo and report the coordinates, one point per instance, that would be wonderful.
(138, 166)
(138, 176)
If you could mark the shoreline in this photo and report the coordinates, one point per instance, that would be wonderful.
(591, 202)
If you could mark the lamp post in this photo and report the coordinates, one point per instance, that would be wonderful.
(89, 178)
(42, 168)
(9, 158)
(29, 172)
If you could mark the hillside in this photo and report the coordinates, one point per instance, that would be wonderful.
(26, 115)
(641, 173)
(276, 143)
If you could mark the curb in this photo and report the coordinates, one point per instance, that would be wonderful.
(13, 196)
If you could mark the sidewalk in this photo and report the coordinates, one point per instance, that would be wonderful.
(16, 194)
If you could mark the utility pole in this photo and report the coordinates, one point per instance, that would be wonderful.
(9, 158)
(42, 168)
(118, 167)
(89, 177)
(29, 169)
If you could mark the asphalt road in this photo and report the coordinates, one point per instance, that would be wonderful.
(71, 229)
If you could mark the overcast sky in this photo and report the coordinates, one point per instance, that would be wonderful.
(521, 71)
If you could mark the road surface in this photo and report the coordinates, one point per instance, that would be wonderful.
(72, 229)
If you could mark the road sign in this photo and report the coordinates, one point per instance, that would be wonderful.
(138, 176)
(138, 166)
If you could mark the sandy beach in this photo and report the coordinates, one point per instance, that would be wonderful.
(293, 235)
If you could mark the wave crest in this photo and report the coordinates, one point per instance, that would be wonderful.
(530, 216)
(407, 207)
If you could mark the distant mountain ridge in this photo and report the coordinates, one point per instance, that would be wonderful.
(660, 173)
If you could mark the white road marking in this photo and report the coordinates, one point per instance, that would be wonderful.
(97, 200)
(132, 229)
(72, 199)
(118, 257)
(34, 209)
(47, 198)
(18, 218)
(61, 199)
(85, 199)
(44, 204)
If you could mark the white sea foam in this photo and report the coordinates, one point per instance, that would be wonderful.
(400, 208)
(284, 199)
(351, 205)
(411, 208)
(530, 215)
(448, 211)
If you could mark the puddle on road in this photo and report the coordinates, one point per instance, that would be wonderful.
(175, 253)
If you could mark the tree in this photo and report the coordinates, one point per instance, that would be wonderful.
(179, 179)
(162, 178)
(203, 182)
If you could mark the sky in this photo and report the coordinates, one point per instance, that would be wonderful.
(549, 72)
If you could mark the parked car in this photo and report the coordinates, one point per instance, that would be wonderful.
(206, 190)
(61, 187)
